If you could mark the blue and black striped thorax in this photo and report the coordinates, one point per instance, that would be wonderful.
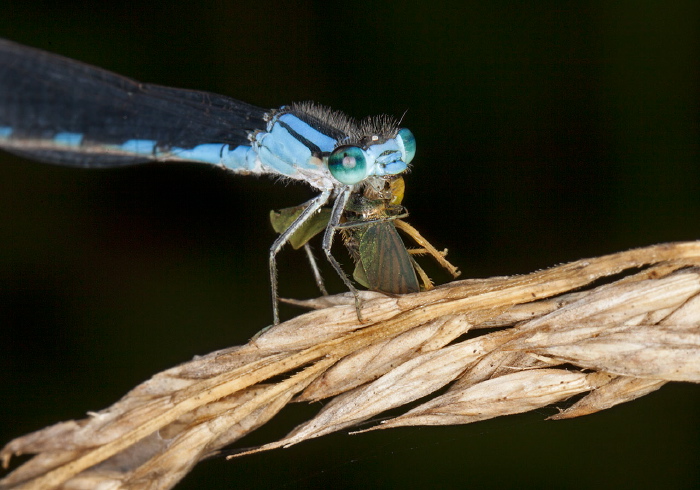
(327, 147)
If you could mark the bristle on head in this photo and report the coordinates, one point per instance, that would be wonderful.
(348, 131)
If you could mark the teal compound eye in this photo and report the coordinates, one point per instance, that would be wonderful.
(348, 164)
(409, 143)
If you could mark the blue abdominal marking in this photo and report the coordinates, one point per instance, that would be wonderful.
(68, 139)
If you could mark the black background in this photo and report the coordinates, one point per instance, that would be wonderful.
(545, 134)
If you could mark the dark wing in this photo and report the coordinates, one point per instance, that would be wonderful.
(62, 111)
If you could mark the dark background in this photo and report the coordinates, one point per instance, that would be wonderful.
(545, 135)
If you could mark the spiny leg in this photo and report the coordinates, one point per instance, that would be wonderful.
(333, 224)
(314, 268)
(314, 205)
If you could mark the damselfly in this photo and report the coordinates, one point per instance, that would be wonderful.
(61, 111)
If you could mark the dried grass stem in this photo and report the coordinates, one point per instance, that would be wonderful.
(558, 335)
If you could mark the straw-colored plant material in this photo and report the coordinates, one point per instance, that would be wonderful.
(551, 335)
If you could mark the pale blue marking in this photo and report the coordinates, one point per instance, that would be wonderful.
(251, 158)
(394, 168)
(218, 154)
(325, 143)
(271, 160)
(68, 139)
(5, 132)
(286, 147)
(242, 157)
(206, 153)
(140, 147)
(387, 158)
(280, 150)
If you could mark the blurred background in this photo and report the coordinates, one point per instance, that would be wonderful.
(545, 135)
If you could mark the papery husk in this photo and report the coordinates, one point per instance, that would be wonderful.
(479, 348)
